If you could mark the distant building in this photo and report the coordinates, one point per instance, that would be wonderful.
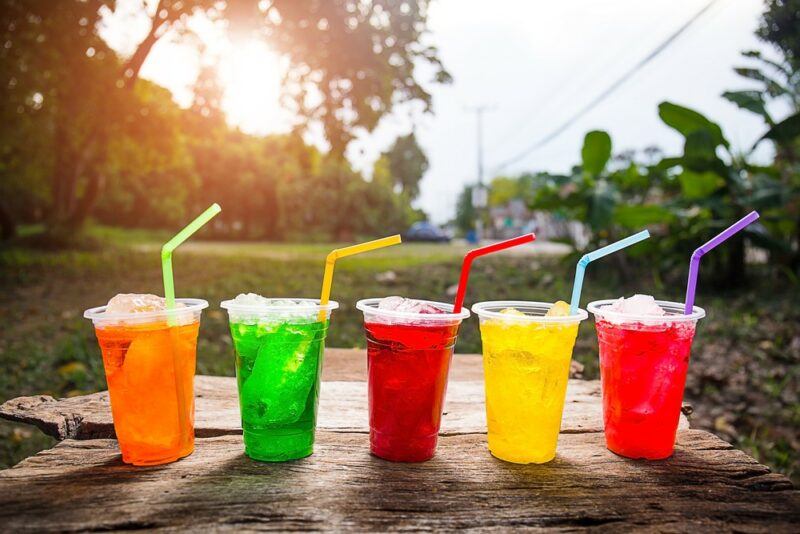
(515, 218)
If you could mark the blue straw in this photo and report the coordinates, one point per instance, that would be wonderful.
(599, 253)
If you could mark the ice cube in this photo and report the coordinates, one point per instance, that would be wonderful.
(250, 299)
(294, 310)
(428, 308)
(512, 311)
(559, 309)
(395, 303)
(135, 303)
(637, 305)
(390, 303)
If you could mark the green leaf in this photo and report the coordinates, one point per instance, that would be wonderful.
(596, 151)
(637, 216)
(749, 100)
(600, 209)
(696, 185)
(668, 163)
(687, 121)
(700, 153)
(783, 132)
(774, 88)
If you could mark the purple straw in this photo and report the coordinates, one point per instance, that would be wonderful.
(694, 263)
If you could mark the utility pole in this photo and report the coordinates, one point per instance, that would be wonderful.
(479, 193)
(479, 111)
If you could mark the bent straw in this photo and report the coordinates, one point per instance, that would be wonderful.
(330, 263)
(472, 254)
(577, 286)
(169, 295)
(170, 246)
(694, 263)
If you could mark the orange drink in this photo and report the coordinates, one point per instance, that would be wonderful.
(149, 360)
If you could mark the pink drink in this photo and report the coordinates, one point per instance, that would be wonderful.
(643, 365)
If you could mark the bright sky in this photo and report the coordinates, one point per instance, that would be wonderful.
(535, 63)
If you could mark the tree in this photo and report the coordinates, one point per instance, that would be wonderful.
(351, 61)
(407, 164)
(465, 211)
(780, 26)
(778, 80)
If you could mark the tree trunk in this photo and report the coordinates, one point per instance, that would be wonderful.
(8, 227)
(84, 206)
(71, 165)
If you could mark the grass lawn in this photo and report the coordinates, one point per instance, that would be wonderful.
(743, 379)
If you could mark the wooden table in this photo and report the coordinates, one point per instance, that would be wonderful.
(81, 484)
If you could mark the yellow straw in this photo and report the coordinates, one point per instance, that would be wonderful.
(330, 262)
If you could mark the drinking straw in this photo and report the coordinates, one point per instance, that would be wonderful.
(597, 254)
(172, 244)
(335, 254)
(694, 263)
(472, 254)
(169, 295)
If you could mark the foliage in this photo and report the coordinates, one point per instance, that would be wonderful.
(465, 211)
(65, 88)
(407, 163)
(684, 199)
(779, 26)
(777, 81)
(502, 189)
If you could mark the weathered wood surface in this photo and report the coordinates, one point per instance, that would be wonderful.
(707, 485)
(81, 484)
(342, 407)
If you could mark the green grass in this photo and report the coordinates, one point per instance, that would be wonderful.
(745, 364)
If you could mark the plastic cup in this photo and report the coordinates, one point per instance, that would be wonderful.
(149, 360)
(526, 361)
(643, 364)
(279, 352)
(408, 360)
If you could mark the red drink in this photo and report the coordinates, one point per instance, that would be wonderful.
(408, 359)
(643, 364)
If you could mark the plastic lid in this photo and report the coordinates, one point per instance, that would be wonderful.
(674, 313)
(370, 306)
(190, 306)
(304, 306)
(534, 312)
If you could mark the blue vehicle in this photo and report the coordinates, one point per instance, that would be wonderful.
(425, 231)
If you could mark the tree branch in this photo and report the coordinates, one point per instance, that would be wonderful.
(130, 72)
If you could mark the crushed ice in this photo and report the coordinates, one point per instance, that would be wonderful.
(270, 317)
(637, 305)
(137, 303)
(401, 304)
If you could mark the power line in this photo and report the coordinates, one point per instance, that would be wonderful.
(608, 91)
(558, 92)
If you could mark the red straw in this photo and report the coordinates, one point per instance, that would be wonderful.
(472, 254)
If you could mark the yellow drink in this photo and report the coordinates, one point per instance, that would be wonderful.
(526, 360)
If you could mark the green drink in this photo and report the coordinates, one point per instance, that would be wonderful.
(279, 347)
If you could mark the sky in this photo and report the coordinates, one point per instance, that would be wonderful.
(533, 63)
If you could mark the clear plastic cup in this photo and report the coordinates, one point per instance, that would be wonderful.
(279, 352)
(408, 360)
(643, 364)
(149, 360)
(526, 361)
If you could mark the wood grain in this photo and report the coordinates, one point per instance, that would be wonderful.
(342, 407)
(707, 485)
(343, 403)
